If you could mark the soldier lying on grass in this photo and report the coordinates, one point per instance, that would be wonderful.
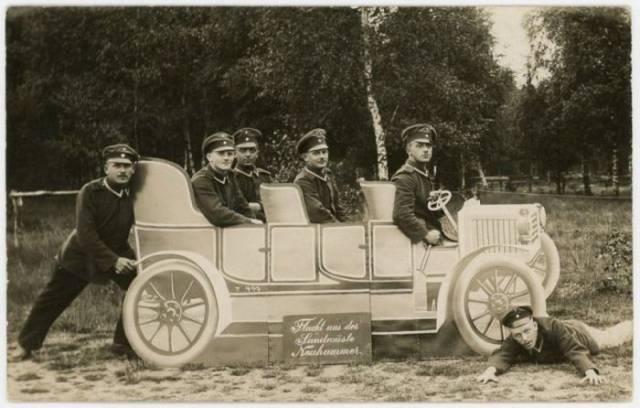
(547, 340)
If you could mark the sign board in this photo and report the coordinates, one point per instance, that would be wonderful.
(327, 338)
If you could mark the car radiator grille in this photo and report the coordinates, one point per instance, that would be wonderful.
(501, 231)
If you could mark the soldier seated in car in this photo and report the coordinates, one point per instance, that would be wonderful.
(248, 175)
(216, 189)
(318, 186)
(414, 187)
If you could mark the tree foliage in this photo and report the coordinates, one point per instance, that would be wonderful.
(162, 78)
(587, 93)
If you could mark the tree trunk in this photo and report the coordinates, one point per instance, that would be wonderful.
(135, 114)
(205, 120)
(614, 172)
(586, 177)
(483, 179)
(188, 153)
(463, 183)
(136, 86)
(530, 181)
(383, 165)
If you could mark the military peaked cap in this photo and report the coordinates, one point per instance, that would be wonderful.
(421, 132)
(217, 142)
(120, 153)
(312, 140)
(246, 136)
(517, 313)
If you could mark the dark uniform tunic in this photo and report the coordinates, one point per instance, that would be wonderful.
(410, 212)
(219, 198)
(249, 179)
(103, 220)
(558, 341)
(320, 196)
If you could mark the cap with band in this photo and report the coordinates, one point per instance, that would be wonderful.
(313, 140)
(121, 152)
(515, 314)
(420, 132)
(246, 137)
(217, 142)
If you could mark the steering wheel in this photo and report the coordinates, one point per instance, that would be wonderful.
(439, 202)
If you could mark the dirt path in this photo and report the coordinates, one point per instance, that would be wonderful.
(80, 368)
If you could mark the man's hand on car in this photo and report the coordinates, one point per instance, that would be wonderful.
(124, 265)
(434, 194)
(432, 237)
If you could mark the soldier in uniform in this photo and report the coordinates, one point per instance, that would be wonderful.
(96, 251)
(414, 186)
(216, 189)
(248, 175)
(548, 340)
(316, 181)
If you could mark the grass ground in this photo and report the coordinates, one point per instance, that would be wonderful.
(75, 364)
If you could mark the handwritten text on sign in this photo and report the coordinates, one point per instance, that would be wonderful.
(327, 338)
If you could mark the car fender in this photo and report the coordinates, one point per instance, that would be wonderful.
(218, 283)
(446, 290)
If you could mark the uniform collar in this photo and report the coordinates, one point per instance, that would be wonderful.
(219, 177)
(248, 171)
(414, 166)
(539, 342)
(122, 193)
(324, 176)
(537, 348)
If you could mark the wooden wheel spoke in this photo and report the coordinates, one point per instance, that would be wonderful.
(173, 289)
(169, 338)
(494, 280)
(185, 317)
(484, 302)
(184, 295)
(509, 282)
(519, 295)
(179, 326)
(480, 316)
(154, 308)
(483, 287)
(157, 291)
(155, 319)
(153, 336)
(486, 329)
(191, 305)
(501, 333)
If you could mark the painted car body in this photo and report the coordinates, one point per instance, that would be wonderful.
(258, 275)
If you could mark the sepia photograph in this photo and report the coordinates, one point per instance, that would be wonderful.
(318, 203)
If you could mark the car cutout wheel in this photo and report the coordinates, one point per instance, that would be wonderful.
(485, 291)
(546, 264)
(170, 313)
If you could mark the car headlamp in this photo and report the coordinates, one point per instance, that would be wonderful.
(542, 213)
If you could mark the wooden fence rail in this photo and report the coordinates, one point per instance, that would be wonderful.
(16, 203)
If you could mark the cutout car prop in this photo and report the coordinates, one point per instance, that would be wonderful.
(292, 290)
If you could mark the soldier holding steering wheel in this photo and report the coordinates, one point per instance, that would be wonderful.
(415, 187)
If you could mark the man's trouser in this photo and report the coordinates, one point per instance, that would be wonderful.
(61, 290)
(607, 338)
